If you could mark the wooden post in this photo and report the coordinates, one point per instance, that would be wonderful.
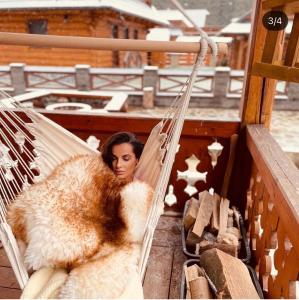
(258, 92)
(256, 102)
(18, 78)
(83, 82)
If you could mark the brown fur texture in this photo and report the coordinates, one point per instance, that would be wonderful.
(80, 216)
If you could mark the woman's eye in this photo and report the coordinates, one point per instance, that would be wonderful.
(127, 158)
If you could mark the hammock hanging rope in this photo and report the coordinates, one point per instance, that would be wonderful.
(31, 149)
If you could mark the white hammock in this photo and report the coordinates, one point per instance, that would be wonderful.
(31, 143)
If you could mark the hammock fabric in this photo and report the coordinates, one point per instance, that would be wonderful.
(31, 147)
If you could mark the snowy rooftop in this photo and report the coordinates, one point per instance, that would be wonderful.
(131, 7)
(194, 38)
(158, 34)
(197, 15)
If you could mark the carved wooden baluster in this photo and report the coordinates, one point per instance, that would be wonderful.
(286, 261)
(257, 208)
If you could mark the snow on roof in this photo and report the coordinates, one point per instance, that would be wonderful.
(233, 28)
(244, 28)
(196, 38)
(131, 7)
(197, 15)
(158, 34)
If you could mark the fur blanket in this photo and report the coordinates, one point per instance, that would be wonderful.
(83, 218)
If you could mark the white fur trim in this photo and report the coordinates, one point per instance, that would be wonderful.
(136, 202)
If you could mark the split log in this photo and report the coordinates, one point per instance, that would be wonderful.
(235, 231)
(223, 216)
(230, 221)
(229, 274)
(204, 213)
(188, 294)
(228, 238)
(194, 271)
(206, 245)
(215, 215)
(191, 213)
(230, 163)
(199, 288)
(192, 239)
(191, 273)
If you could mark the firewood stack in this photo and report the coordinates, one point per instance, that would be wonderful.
(197, 284)
(228, 276)
(210, 223)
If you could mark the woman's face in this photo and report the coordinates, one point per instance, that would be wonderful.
(124, 161)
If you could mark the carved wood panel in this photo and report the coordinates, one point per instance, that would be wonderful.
(276, 258)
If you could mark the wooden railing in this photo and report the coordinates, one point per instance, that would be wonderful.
(127, 80)
(49, 78)
(5, 77)
(221, 83)
(172, 81)
(273, 215)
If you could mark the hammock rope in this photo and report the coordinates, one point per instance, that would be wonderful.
(160, 190)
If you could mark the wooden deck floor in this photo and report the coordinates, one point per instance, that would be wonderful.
(163, 274)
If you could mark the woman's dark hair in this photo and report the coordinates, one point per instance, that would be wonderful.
(117, 139)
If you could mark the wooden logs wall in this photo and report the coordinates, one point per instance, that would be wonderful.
(73, 23)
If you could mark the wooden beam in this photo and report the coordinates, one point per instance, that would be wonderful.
(267, 4)
(290, 6)
(140, 124)
(252, 89)
(276, 72)
(158, 273)
(258, 92)
(229, 166)
(204, 213)
(223, 216)
(280, 176)
(293, 44)
(272, 46)
(75, 42)
(176, 274)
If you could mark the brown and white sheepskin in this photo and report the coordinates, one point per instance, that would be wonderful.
(83, 218)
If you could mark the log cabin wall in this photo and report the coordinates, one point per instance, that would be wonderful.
(93, 23)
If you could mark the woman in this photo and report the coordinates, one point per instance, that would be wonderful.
(85, 219)
(121, 153)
